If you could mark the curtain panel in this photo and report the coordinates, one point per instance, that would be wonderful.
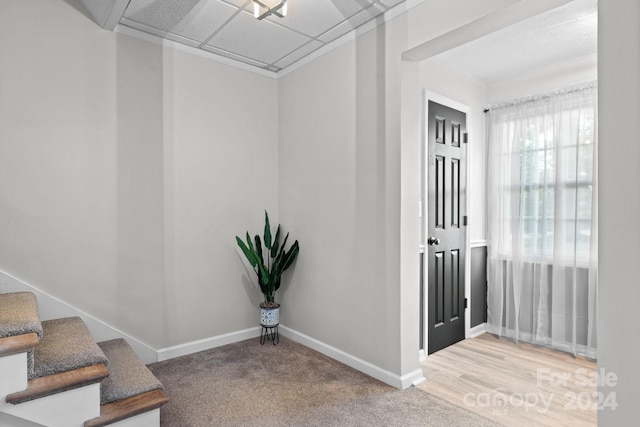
(542, 219)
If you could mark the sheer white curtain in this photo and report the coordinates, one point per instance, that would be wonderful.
(542, 219)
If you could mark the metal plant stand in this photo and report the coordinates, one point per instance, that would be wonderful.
(269, 333)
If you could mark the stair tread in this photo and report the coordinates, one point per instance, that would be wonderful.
(56, 383)
(127, 375)
(129, 407)
(19, 314)
(66, 345)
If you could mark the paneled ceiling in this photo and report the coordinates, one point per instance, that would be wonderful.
(229, 29)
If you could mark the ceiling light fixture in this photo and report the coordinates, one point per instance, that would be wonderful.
(279, 9)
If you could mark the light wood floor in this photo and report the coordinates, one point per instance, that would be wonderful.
(514, 384)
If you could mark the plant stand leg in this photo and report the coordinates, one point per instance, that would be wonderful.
(269, 333)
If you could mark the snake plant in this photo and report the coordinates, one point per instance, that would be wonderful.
(271, 261)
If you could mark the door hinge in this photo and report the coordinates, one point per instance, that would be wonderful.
(465, 138)
(464, 220)
(466, 303)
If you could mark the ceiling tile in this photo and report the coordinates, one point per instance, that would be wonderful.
(237, 3)
(299, 54)
(391, 3)
(159, 33)
(313, 17)
(350, 24)
(260, 40)
(193, 19)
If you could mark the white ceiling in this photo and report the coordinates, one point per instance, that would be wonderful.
(558, 35)
(228, 28)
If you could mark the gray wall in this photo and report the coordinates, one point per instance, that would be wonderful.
(350, 183)
(478, 270)
(126, 169)
(619, 207)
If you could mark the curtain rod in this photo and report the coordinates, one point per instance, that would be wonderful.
(532, 98)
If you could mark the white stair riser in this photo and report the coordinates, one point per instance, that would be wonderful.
(13, 371)
(11, 421)
(148, 419)
(67, 409)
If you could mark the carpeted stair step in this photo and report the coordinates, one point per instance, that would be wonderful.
(130, 389)
(20, 326)
(66, 358)
(65, 346)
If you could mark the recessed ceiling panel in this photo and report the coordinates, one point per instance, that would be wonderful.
(237, 3)
(303, 15)
(193, 19)
(391, 3)
(228, 28)
(160, 33)
(350, 24)
(260, 40)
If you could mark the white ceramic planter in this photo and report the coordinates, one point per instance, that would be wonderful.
(270, 316)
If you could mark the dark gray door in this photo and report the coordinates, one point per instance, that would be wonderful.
(446, 227)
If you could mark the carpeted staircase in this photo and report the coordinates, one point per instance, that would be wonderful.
(52, 373)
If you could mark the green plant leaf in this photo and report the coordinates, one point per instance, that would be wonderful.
(276, 243)
(267, 231)
(259, 249)
(264, 275)
(291, 255)
(262, 270)
(284, 243)
(247, 252)
(250, 244)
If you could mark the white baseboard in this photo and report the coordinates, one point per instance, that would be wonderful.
(383, 375)
(478, 244)
(477, 330)
(51, 307)
(207, 343)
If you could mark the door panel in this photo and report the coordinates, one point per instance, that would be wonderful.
(440, 192)
(446, 231)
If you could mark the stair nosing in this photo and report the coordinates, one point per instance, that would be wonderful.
(18, 343)
(57, 383)
(117, 411)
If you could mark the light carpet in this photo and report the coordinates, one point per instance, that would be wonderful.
(127, 375)
(66, 344)
(248, 384)
(19, 315)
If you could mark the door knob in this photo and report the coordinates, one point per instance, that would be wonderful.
(433, 241)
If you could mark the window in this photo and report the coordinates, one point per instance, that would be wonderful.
(544, 181)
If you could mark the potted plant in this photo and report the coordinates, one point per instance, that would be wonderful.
(269, 262)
